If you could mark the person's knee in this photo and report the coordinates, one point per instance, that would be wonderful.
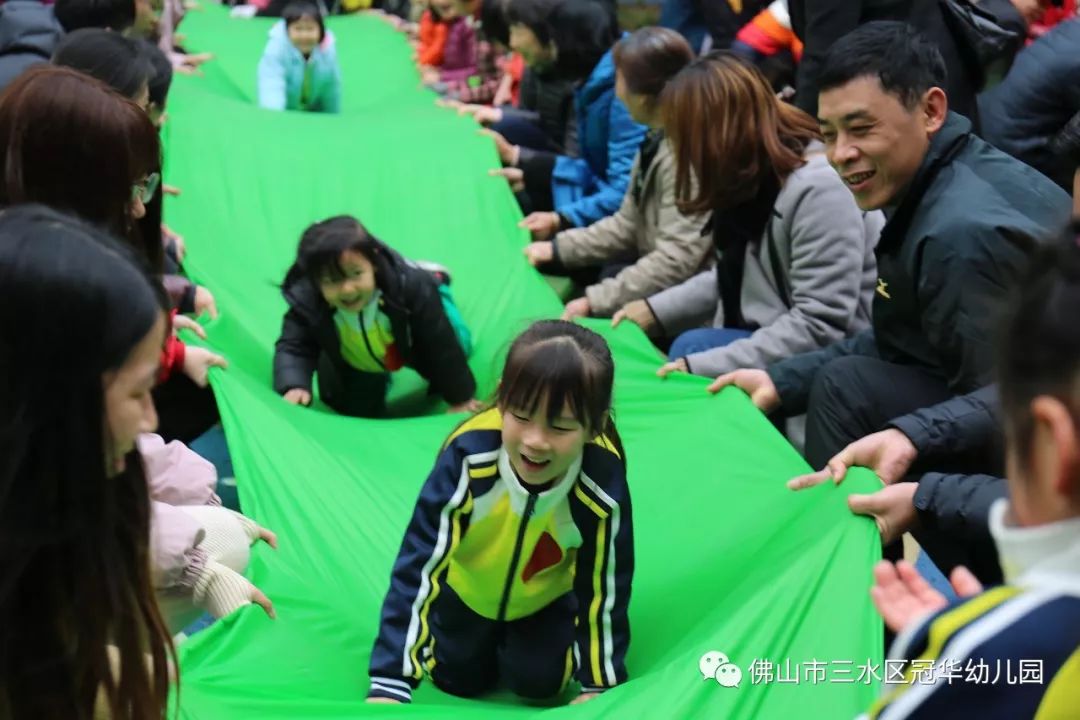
(464, 682)
(687, 343)
(535, 683)
(837, 384)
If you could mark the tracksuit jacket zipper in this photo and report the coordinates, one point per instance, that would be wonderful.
(530, 504)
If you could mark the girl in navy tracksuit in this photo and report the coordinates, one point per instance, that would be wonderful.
(518, 560)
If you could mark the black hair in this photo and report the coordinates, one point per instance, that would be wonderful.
(108, 56)
(1039, 340)
(116, 15)
(567, 364)
(904, 61)
(321, 246)
(583, 31)
(299, 9)
(493, 20)
(161, 73)
(74, 535)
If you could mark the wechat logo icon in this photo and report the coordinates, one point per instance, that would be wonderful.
(714, 665)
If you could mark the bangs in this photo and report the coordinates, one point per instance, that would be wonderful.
(556, 372)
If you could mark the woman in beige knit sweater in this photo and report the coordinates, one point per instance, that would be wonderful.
(648, 245)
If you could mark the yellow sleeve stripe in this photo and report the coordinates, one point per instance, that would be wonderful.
(597, 601)
(490, 419)
(590, 503)
(425, 631)
(483, 471)
(941, 631)
(605, 442)
(1063, 693)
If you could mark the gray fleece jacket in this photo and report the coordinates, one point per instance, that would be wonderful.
(825, 247)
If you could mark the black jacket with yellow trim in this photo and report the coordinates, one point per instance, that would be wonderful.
(509, 553)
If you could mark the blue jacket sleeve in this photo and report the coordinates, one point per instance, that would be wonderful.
(432, 535)
(624, 139)
(604, 574)
(272, 79)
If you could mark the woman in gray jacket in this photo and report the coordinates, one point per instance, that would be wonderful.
(794, 255)
(648, 245)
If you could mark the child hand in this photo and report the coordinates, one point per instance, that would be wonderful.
(204, 302)
(585, 697)
(382, 701)
(197, 364)
(542, 225)
(170, 190)
(298, 396)
(183, 322)
(471, 406)
(514, 176)
(508, 153)
(577, 308)
(902, 596)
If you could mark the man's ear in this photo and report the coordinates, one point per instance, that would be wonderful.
(935, 107)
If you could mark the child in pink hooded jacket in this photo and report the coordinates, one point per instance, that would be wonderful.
(199, 548)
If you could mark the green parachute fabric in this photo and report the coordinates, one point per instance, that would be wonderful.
(728, 559)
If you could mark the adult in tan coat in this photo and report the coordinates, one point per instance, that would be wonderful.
(648, 245)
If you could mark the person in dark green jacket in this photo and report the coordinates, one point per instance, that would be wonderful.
(963, 218)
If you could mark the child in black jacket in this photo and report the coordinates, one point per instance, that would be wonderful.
(358, 311)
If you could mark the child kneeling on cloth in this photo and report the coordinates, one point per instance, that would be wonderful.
(358, 311)
(299, 68)
(518, 561)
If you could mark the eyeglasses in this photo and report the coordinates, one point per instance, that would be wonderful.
(144, 191)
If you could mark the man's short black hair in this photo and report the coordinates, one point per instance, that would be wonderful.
(905, 62)
(116, 15)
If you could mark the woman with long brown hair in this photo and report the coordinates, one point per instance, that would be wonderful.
(82, 636)
(72, 143)
(794, 254)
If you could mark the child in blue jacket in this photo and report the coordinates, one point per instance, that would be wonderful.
(518, 561)
(299, 68)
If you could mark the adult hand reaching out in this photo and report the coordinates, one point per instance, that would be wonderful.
(197, 364)
(542, 225)
(637, 312)
(514, 176)
(538, 253)
(508, 153)
(755, 383)
(888, 453)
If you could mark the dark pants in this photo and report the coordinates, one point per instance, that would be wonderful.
(856, 395)
(532, 656)
(352, 392)
(185, 410)
(519, 131)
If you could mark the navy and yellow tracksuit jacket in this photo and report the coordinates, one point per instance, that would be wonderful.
(508, 553)
(1008, 653)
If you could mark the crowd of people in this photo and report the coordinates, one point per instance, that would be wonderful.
(851, 211)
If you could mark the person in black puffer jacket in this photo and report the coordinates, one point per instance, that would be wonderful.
(358, 311)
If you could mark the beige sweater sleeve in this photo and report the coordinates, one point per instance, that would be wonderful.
(671, 250)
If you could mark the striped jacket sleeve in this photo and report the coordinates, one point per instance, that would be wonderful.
(605, 570)
(432, 535)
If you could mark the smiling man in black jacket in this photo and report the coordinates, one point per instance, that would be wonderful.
(963, 218)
